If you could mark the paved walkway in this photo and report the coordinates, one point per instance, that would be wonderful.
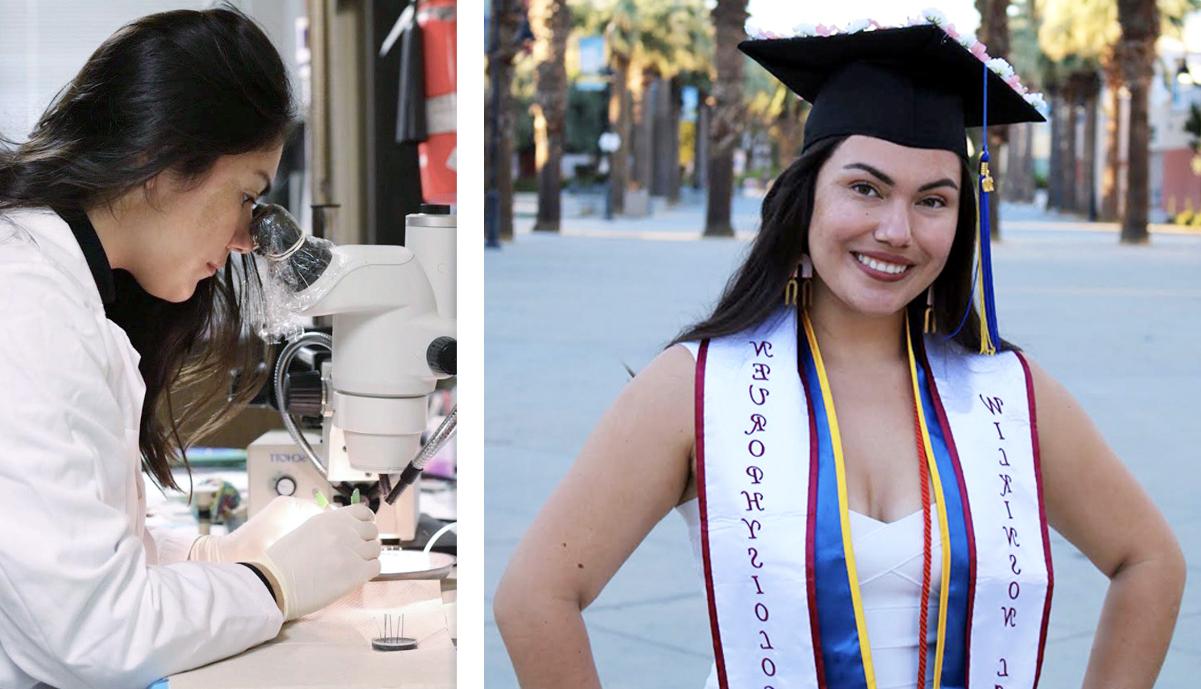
(564, 313)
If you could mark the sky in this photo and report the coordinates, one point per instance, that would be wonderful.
(782, 16)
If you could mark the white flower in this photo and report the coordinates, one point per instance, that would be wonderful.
(805, 30)
(967, 40)
(1036, 100)
(1002, 68)
(934, 17)
(857, 25)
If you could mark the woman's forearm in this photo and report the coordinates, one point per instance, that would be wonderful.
(1136, 624)
(547, 642)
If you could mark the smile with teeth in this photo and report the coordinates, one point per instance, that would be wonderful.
(875, 264)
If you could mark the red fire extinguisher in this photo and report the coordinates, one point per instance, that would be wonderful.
(437, 153)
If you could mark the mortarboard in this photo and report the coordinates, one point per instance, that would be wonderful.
(919, 86)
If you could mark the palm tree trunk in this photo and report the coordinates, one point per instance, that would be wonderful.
(619, 115)
(1139, 20)
(673, 140)
(644, 123)
(550, 21)
(1134, 224)
(1028, 161)
(1088, 187)
(1014, 186)
(994, 27)
(1069, 156)
(1113, 132)
(1054, 181)
(507, 15)
(729, 21)
(661, 139)
(704, 114)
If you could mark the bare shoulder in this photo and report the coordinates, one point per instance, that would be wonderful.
(661, 395)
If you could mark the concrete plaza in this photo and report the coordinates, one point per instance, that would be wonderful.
(1119, 326)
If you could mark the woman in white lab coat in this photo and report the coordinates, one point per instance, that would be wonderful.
(117, 218)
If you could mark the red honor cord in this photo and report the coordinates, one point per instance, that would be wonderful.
(923, 613)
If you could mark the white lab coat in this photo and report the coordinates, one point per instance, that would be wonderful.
(88, 598)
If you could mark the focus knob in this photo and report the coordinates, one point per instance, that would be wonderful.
(303, 393)
(441, 356)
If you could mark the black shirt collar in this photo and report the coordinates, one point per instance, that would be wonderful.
(93, 252)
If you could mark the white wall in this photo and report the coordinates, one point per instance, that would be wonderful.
(43, 43)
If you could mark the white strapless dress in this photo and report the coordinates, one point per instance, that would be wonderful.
(889, 560)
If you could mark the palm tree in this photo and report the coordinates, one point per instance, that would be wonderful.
(1139, 20)
(729, 22)
(1088, 86)
(1087, 32)
(507, 14)
(673, 47)
(1025, 56)
(994, 32)
(621, 35)
(1076, 36)
(550, 21)
(1109, 176)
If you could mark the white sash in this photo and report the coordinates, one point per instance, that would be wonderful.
(754, 476)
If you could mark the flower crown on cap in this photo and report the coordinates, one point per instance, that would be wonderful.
(997, 65)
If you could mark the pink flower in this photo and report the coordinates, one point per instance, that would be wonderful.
(950, 31)
(979, 51)
(1014, 82)
(823, 30)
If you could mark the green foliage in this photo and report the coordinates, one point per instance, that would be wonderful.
(586, 114)
(672, 38)
(1085, 31)
(1193, 126)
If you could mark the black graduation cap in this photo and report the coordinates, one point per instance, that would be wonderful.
(914, 86)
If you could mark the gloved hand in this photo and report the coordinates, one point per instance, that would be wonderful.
(249, 541)
(327, 557)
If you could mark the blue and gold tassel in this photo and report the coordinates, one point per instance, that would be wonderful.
(990, 336)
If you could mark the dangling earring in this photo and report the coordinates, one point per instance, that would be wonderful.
(929, 326)
(806, 273)
(806, 278)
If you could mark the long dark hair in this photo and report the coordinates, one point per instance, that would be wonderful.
(756, 290)
(171, 91)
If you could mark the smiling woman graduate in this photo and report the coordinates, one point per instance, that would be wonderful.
(867, 469)
(117, 219)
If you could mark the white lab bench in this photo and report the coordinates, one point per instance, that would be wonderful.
(331, 648)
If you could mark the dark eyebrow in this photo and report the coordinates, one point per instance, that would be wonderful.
(873, 171)
(267, 189)
(944, 182)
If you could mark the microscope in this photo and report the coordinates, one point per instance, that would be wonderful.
(393, 337)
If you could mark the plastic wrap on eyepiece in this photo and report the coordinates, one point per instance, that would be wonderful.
(295, 271)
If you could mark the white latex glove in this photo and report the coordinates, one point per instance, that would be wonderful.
(250, 541)
(327, 557)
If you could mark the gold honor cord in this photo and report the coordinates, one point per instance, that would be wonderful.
(844, 514)
(944, 528)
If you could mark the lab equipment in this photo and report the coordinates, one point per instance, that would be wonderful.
(390, 639)
(393, 313)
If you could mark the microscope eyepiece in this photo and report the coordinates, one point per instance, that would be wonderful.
(298, 259)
